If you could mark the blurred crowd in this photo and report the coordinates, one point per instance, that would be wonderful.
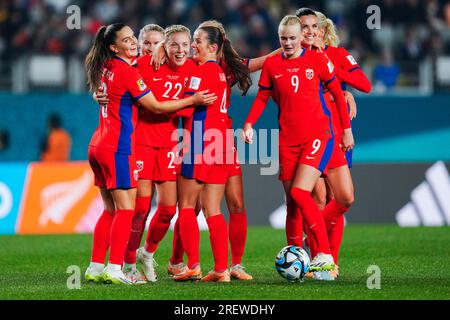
(410, 29)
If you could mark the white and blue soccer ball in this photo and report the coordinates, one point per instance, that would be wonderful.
(292, 263)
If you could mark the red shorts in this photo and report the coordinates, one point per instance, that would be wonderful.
(157, 164)
(113, 170)
(211, 173)
(338, 158)
(315, 153)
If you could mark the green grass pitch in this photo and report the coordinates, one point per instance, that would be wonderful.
(414, 264)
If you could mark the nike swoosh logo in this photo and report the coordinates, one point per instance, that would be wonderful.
(308, 157)
(157, 79)
(278, 75)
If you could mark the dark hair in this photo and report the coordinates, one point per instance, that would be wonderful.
(305, 12)
(232, 59)
(100, 53)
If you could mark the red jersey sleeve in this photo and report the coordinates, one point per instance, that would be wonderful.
(351, 73)
(265, 89)
(328, 77)
(135, 84)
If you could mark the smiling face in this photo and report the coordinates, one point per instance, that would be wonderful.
(126, 44)
(290, 39)
(149, 41)
(177, 47)
(202, 51)
(310, 30)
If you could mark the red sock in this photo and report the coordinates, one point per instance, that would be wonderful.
(137, 228)
(310, 241)
(219, 241)
(333, 211)
(120, 233)
(177, 245)
(294, 226)
(100, 241)
(335, 237)
(190, 235)
(158, 226)
(237, 232)
(313, 217)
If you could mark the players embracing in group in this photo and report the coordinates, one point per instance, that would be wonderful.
(295, 78)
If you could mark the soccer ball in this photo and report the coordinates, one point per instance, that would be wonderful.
(292, 263)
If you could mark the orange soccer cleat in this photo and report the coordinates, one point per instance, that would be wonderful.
(174, 269)
(214, 276)
(238, 273)
(189, 274)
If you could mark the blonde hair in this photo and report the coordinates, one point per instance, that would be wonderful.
(289, 20)
(330, 37)
(176, 28)
(148, 28)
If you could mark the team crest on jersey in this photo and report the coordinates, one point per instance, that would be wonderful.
(140, 165)
(309, 74)
(141, 84)
(352, 60)
(330, 66)
(195, 83)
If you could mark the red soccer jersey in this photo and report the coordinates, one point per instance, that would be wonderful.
(117, 122)
(209, 76)
(166, 83)
(296, 87)
(348, 72)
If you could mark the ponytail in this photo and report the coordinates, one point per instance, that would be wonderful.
(216, 34)
(100, 53)
(330, 37)
(235, 65)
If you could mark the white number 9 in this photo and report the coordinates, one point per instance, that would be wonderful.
(316, 146)
(295, 83)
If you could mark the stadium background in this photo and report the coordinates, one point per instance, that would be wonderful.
(402, 129)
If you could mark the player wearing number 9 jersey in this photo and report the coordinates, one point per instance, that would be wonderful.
(294, 80)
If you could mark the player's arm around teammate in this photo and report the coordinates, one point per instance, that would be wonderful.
(157, 148)
(111, 151)
(205, 169)
(305, 144)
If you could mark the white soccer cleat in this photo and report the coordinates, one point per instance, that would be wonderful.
(94, 272)
(322, 262)
(112, 276)
(135, 275)
(148, 264)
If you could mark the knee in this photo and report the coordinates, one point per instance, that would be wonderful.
(320, 198)
(346, 200)
(236, 207)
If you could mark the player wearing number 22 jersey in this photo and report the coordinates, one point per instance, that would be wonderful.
(209, 157)
(296, 85)
(155, 146)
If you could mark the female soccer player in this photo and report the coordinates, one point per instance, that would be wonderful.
(111, 150)
(149, 36)
(233, 189)
(206, 165)
(155, 152)
(294, 78)
(321, 34)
